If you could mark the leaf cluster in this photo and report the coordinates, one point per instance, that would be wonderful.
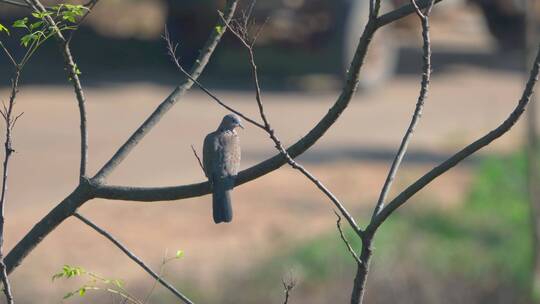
(95, 282)
(36, 28)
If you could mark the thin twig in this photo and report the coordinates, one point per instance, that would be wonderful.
(8, 54)
(152, 194)
(154, 285)
(288, 286)
(171, 48)
(73, 75)
(472, 148)
(259, 31)
(198, 159)
(239, 33)
(402, 11)
(133, 257)
(7, 114)
(374, 8)
(344, 238)
(424, 87)
(166, 105)
(89, 6)
(275, 139)
(88, 188)
(93, 188)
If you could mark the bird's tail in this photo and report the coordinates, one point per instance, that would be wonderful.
(221, 200)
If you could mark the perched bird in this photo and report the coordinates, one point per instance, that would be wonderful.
(221, 160)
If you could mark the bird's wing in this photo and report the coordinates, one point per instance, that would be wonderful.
(209, 152)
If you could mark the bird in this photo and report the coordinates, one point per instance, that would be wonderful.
(221, 161)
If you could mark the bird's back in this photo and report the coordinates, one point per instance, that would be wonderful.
(221, 154)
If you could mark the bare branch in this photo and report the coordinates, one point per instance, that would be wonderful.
(344, 239)
(403, 11)
(267, 166)
(89, 6)
(14, 121)
(240, 34)
(362, 270)
(374, 8)
(73, 75)
(167, 104)
(92, 188)
(423, 14)
(424, 87)
(8, 54)
(485, 140)
(160, 274)
(147, 194)
(259, 31)
(171, 48)
(7, 114)
(198, 159)
(47, 224)
(88, 188)
(133, 257)
(288, 286)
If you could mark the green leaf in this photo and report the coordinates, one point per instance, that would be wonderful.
(35, 25)
(3, 29)
(71, 12)
(69, 17)
(179, 254)
(220, 29)
(21, 23)
(27, 39)
(70, 271)
(82, 291)
(76, 9)
(41, 15)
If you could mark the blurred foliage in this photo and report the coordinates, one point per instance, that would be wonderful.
(490, 234)
(485, 243)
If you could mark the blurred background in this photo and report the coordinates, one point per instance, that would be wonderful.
(467, 238)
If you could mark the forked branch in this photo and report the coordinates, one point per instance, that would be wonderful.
(153, 194)
(288, 286)
(424, 87)
(10, 119)
(362, 272)
(240, 32)
(94, 188)
(472, 148)
(171, 100)
(89, 188)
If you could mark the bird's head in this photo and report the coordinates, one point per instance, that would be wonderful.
(231, 122)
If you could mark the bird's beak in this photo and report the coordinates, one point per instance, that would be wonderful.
(241, 126)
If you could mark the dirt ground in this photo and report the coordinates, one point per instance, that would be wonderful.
(467, 99)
